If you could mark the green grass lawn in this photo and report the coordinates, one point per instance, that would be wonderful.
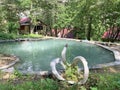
(5, 36)
(96, 81)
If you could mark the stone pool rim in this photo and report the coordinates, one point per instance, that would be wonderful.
(98, 66)
(16, 59)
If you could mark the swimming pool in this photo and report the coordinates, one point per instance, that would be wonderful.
(37, 55)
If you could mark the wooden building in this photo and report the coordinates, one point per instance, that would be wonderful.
(40, 27)
(25, 26)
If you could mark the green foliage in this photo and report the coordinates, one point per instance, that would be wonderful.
(13, 27)
(109, 82)
(80, 12)
(58, 14)
(71, 73)
(31, 36)
(93, 88)
(43, 84)
(7, 36)
(103, 81)
(96, 81)
(6, 86)
(17, 74)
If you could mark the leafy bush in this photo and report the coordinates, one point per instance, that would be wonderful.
(13, 27)
(31, 36)
(103, 82)
(109, 82)
(7, 36)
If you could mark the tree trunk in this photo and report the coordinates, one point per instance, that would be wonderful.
(89, 28)
(117, 33)
(55, 32)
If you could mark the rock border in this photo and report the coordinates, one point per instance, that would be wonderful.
(25, 39)
(104, 45)
(10, 64)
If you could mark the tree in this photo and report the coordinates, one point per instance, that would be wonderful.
(9, 16)
(90, 18)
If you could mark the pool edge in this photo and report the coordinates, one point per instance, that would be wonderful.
(98, 66)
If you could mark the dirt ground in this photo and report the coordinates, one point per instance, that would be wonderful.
(6, 59)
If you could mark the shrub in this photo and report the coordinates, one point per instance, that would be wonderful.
(109, 82)
(7, 36)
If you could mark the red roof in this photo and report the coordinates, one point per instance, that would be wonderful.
(24, 20)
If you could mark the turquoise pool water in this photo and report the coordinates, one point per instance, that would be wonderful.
(36, 55)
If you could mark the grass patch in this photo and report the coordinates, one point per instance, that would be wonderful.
(42, 84)
(106, 81)
(96, 81)
(31, 36)
(5, 36)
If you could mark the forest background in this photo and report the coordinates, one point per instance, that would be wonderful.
(89, 18)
